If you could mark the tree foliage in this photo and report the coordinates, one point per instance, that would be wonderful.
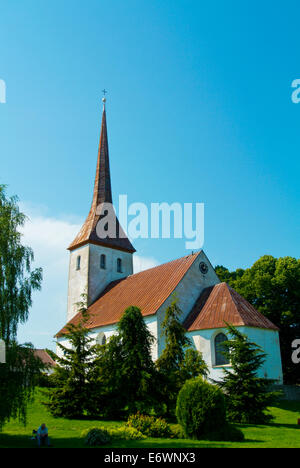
(247, 395)
(178, 361)
(17, 279)
(72, 375)
(18, 377)
(124, 375)
(17, 282)
(111, 380)
(272, 286)
(175, 339)
(201, 412)
(193, 365)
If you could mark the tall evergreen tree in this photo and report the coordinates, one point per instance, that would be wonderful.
(272, 286)
(70, 398)
(175, 339)
(17, 282)
(176, 363)
(126, 373)
(138, 369)
(247, 395)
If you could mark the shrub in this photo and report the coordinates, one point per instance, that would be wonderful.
(96, 436)
(177, 431)
(103, 435)
(200, 408)
(201, 412)
(149, 425)
(125, 433)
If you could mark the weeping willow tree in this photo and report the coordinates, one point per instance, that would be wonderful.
(18, 280)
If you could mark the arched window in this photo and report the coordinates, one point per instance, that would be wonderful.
(101, 339)
(220, 359)
(119, 265)
(78, 262)
(102, 261)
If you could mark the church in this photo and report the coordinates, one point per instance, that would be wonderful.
(102, 268)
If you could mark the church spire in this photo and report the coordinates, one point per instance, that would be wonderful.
(102, 186)
(102, 194)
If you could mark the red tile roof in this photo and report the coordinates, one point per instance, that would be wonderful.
(219, 304)
(102, 194)
(44, 357)
(147, 290)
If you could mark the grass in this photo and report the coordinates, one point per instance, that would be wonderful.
(283, 432)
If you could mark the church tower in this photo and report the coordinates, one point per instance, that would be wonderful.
(96, 261)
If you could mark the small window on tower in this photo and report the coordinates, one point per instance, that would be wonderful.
(119, 265)
(103, 262)
(78, 262)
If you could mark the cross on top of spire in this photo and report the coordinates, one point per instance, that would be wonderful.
(104, 98)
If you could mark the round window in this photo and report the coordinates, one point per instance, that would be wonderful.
(203, 268)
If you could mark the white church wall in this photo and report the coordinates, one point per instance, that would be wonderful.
(78, 278)
(109, 330)
(203, 341)
(90, 278)
(187, 292)
(64, 343)
(99, 278)
(269, 341)
(151, 323)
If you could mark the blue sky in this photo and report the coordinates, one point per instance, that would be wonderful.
(199, 110)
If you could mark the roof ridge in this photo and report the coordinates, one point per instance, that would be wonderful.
(229, 293)
(165, 263)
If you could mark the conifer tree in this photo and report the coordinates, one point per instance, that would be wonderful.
(126, 373)
(177, 363)
(193, 365)
(247, 395)
(70, 398)
(175, 340)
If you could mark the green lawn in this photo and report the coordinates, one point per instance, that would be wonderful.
(283, 432)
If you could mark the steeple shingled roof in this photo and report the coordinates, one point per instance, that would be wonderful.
(102, 194)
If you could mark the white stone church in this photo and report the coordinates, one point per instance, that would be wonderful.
(103, 269)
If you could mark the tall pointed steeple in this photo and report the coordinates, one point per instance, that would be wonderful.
(102, 194)
(102, 187)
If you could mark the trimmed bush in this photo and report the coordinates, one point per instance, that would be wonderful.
(150, 426)
(201, 412)
(96, 436)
